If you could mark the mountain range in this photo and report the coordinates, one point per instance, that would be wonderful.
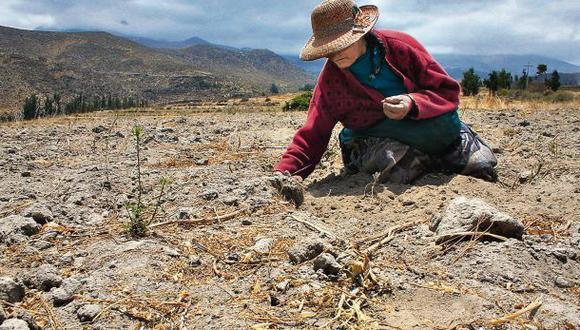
(456, 64)
(100, 63)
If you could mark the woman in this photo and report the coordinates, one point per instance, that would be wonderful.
(397, 104)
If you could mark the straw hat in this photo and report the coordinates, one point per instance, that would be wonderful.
(337, 24)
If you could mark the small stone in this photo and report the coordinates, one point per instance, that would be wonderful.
(61, 297)
(209, 195)
(247, 222)
(263, 245)
(2, 314)
(120, 134)
(525, 176)
(43, 278)
(408, 202)
(327, 264)
(39, 212)
(231, 201)
(14, 324)
(497, 150)
(171, 252)
(524, 123)
(305, 251)
(16, 224)
(28, 318)
(26, 174)
(202, 162)
(561, 255)
(10, 290)
(88, 312)
(548, 134)
(283, 286)
(563, 283)
(194, 261)
(99, 129)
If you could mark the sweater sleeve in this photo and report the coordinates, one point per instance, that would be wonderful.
(310, 141)
(436, 93)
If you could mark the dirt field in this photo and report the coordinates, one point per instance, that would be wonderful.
(226, 265)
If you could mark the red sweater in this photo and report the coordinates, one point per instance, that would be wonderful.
(340, 97)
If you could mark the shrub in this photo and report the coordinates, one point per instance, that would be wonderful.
(299, 103)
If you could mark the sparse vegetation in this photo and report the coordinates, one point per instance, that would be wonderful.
(136, 211)
(274, 89)
(298, 103)
(33, 107)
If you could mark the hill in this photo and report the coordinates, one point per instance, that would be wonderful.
(456, 64)
(101, 63)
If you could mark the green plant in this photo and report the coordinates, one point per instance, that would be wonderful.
(30, 107)
(136, 211)
(298, 103)
(470, 82)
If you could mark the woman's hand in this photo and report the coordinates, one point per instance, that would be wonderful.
(397, 107)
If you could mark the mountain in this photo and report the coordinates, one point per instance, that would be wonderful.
(153, 43)
(483, 64)
(455, 64)
(101, 63)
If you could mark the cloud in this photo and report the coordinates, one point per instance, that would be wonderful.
(469, 26)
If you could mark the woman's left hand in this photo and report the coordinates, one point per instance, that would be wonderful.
(397, 107)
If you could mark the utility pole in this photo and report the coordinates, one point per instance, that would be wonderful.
(527, 68)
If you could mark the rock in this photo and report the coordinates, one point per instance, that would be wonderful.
(247, 222)
(14, 324)
(10, 290)
(194, 261)
(39, 212)
(305, 251)
(2, 314)
(283, 286)
(525, 176)
(29, 319)
(43, 278)
(561, 255)
(71, 285)
(209, 195)
(563, 283)
(263, 246)
(524, 123)
(327, 264)
(171, 252)
(202, 162)
(26, 174)
(61, 297)
(17, 225)
(99, 129)
(231, 201)
(88, 312)
(288, 187)
(470, 214)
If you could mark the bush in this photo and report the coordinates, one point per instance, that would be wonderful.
(299, 103)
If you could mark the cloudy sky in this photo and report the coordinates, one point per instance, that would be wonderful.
(445, 26)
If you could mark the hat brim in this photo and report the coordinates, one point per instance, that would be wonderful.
(316, 49)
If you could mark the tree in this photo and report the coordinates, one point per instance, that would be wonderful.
(492, 82)
(274, 89)
(542, 68)
(48, 106)
(470, 82)
(30, 107)
(554, 82)
(504, 80)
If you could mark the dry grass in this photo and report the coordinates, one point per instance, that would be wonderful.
(485, 101)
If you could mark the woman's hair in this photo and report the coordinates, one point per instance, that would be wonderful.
(374, 45)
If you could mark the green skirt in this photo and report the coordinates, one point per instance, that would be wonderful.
(432, 136)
